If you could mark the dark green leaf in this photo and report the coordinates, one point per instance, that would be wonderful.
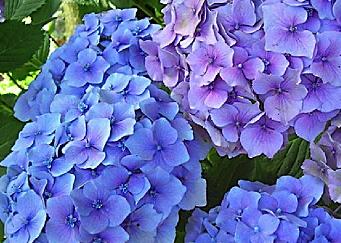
(9, 126)
(45, 12)
(38, 59)
(222, 173)
(123, 3)
(19, 9)
(18, 43)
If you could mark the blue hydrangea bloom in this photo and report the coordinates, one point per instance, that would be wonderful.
(106, 155)
(255, 212)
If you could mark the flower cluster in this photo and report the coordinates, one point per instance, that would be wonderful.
(250, 72)
(106, 156)
(254, 212)
(325, 160)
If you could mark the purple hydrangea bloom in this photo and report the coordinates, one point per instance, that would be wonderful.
(209, 60)
(233, 118)
(284, 96)
(244, 68)
(327, 61)
(264, 136)
(310, 125)
(269, 53)
(283, 33)
(2, 10)
(240, 15)
(321, 96)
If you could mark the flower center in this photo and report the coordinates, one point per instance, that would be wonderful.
(278, 211)
(256, 229)
(324, 58)
(97, 240)
(37, 133)
(293, 29)
(118, 19)
(152, 193)
(236, 26)
(47, 194)
(158, 148)
(48, 163)
(136, 31)
(97, 204)
(94, 173)
(71, 221)
(240, 65)
(122, 146)
(266, 62)
(123, 188)
(112, 119)
(86, 67)
(211, 60)
(82, 107)
(316, 83)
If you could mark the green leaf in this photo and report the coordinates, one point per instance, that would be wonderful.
(17, 47)
(123, 3)
(38, 59)
(45, 12)
(9, 126)
(222, 173)
(19, 9)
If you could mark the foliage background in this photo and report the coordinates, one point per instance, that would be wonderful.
(34, 28)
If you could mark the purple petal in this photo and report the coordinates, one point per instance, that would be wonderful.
(117, 210)
(257, 141)
(175, 154)
(98, 132)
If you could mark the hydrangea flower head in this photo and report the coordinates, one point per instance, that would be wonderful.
(281, 55)
(106, 155)
(255, 212)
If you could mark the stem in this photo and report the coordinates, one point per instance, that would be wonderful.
(54, 40)
(337, 209)
(148, 12)
(15, 82)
